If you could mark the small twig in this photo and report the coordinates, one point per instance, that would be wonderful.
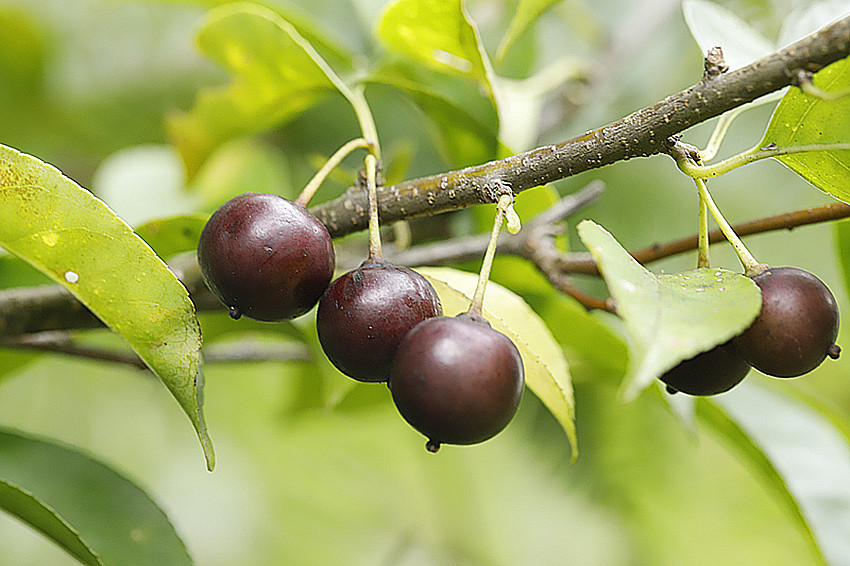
(60, 342)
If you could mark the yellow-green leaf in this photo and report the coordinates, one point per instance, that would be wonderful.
(546, 371)
(76, 240)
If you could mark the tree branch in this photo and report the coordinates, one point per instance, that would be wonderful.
(641, 134)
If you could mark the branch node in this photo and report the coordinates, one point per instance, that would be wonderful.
(715, 64)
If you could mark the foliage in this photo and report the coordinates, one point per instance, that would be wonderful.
(314, 468)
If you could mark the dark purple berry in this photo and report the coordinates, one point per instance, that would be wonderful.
(266, 257)
(708, 373)
(796, 327)
(365, 314)
(456, 380)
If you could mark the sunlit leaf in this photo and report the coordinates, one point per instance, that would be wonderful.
(277, 75)
(800, 119)
(72, 237)
(669, 318)
(546, 372)
(88, 509)
(436, 33)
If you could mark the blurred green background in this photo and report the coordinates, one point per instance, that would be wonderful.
(86, 85)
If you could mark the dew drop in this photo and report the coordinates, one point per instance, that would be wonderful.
(72, 276)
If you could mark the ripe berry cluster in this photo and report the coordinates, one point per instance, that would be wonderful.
(793, 333)
(455, 379)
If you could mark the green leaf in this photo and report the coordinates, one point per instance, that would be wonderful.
(175, 235)
(800, 119)
(76, 240)
(92, 512)
(594, 350)
(719, 421)
(462, 139)
(810, 454)
(526, 13)
(547, 374)
(242, 166)
(669, 318)
(26, 507)
(277, 75)
(438, 34)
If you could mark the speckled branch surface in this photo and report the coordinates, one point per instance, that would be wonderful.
(640, 134)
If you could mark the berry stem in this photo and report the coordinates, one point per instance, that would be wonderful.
(751, 155)
(365, 118)
(702, 232)
(375, 252)
(307, 193)
(750, 263)
(505, 202)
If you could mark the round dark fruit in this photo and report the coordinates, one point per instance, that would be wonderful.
(365, 314)
(708, 373)
(266, 257)
(796, 327)
(457, 380)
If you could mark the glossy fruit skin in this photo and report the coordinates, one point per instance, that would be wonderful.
(457, 380)
(797, 326)
(365, 314)
(266, 257)
(708, 373)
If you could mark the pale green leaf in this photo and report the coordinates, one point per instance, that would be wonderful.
(92, 512)
(546, 371)
(721, 424)
(800, 119)
(713, 25)
(76, 240)
(669, 318)
(438, 34)
(810, 454)
(276, 75)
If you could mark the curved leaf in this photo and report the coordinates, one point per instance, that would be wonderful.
(810, 454)
(712, 416)
(27, 507)
(88, 509)
(76, 240)
(669, 318)
(800, 119)
(438, 34)
(277, 75)
(546, 370)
